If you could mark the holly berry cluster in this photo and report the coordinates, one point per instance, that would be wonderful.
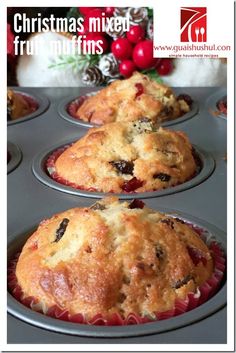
(124, 52)
(135, 52)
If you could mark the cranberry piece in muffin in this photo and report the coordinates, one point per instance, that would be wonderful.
(131, 99)
(125, 157)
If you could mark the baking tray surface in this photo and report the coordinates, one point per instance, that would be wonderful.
(15, 156)
(211, 306)
(213, 100)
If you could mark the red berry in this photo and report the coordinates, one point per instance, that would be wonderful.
(135, 34)
(121, 48)
(95, 13)
(127, 68)
(97, 37)
(143, 55)
(109, 11)
(165, 67)
(85, 10)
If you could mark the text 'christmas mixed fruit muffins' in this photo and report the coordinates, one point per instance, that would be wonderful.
(125, 157)
(131, 99)
(113, 258)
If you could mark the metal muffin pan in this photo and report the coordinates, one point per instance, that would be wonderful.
(213, 100)
(38, 168)
(211, 306)
(15, 156)
(42, 101)
(30, 200)
(62, 110)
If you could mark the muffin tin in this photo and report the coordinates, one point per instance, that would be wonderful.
(199, 204)
(42, 101)
(206, 309)
(212, 103)
(62, 110)
(15, 156)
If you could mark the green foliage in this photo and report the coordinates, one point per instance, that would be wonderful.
(77, 62)
(150, 12)
(153, 75)
(73, 12)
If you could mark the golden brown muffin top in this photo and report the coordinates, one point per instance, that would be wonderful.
(113, 258)
(112, 157)
(132, 99)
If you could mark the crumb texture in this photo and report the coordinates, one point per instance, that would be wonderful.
(113, 258)
(128, 157)
(132, 99)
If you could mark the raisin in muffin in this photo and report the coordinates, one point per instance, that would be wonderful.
(127, 157)
(131, 99)
(113, 258)
(18, 105)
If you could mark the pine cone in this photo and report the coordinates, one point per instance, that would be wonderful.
(112, 79)
(92, 76)
(109, 66)
(150, 29)
(120, 11)
(138, 16)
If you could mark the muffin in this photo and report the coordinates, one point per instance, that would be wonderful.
(19, 105)
(113, 258)
(126, 157)
(222, 105)
(131, 99)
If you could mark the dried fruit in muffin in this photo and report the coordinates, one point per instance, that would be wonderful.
(127, 157)
(114, 259)
(131, 99)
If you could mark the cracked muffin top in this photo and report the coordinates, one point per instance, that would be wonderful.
(113, 257)
(127, 157)
(131, 99)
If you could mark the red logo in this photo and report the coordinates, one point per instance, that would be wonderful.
(193, 24)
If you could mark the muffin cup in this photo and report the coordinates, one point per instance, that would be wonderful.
(213, 101)
(68, 107)
(193, 300)
(14, 156)
(39, 104)
(44, 170)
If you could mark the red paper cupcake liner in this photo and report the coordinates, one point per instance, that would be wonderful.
(73, 106)
(51, 171)
(222, 106)
(33, 104)
(193, 300)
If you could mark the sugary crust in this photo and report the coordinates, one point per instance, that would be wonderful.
(89, 162)
(112, 258)
(130, 100)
